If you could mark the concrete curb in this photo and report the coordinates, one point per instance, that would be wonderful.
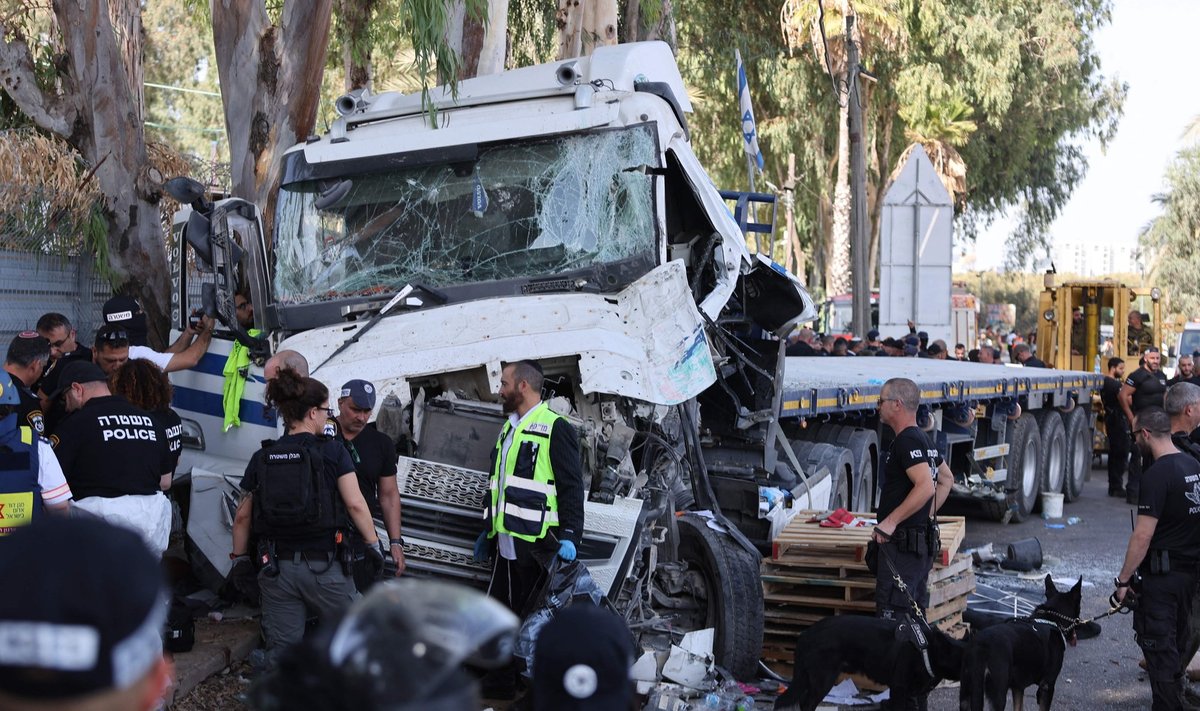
(218, 645)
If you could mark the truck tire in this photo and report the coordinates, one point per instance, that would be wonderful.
(1052, 462)
(864, 446)
(840, 463)
(1024, 480)
(733, 593)
(1079, 452)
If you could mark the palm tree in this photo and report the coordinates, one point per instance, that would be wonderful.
(944, 128)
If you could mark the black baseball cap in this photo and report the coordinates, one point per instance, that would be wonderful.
(360, 392)
(87, 614)
(582, 661)
(78, 371)
(126, 312)
(872, 335)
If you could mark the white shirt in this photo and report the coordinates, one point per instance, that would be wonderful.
(507, 550)
(50, 475)
(162, 360)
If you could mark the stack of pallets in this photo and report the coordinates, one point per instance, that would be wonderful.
(815, 572)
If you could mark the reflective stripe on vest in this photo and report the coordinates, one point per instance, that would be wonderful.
(20, 492)
(530, 498)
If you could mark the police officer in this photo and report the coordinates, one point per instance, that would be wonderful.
(116, 458)
(1116, 427)
(299, 492)
(1163, 551)
(535, 503)
(374, 457)
(1182, 404)
(30, 477)
(1185, 368)
(1138, 338)
(915, 484)
(1143, 388)
(82, 627)
(28, 356)
(64, 348)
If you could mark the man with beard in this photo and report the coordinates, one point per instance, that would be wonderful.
(534, 508)
(1144, 388)
(1184, 370)
(374, 458)
(1163, 551)
(1115, 426)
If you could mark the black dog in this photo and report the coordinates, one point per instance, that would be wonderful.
(1015, 654)
(883, 650)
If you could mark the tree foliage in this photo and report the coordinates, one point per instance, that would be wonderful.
(1172, 240)
(1013, 88)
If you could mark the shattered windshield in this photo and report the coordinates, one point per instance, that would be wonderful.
(518, 210)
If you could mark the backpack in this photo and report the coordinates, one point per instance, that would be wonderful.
(294, 497)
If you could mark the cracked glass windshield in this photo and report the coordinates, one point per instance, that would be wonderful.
(520, 210)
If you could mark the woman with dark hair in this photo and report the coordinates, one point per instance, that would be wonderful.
(300, 494)
(144, 384)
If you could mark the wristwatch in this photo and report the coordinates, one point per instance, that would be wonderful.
(398, 541)
(1119, 583)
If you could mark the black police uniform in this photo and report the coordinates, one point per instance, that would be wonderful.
(374, 457)
(48, 384)
(1034, 362)
(110, 448)
(1170, 493)
(303, 571)
(172, 428)
(1148, 389)
(915, 540)
(1117, 429)
(29, 411)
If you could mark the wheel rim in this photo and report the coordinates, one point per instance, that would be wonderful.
(1029, 474)
(1055, 466)
(1083, 459)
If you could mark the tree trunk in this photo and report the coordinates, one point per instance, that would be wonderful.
(884, 170)
(126, 18)
(270, 86)
(569, 21)
(482, 46)
(599, 24)
(354, 23)
(96, 108)
(640, 27)
(837, 270)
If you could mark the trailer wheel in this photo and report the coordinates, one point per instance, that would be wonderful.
(1079, 452)
(1053, 455)
(1024, 482)
(729, 594)
(840, 463)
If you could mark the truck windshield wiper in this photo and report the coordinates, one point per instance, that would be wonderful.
(438, 296)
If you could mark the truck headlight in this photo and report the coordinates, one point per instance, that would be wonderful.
(1156, 293)
(1048, 314)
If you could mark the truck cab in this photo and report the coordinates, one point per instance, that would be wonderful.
(553, 213)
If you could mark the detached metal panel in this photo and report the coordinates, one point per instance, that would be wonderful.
(916, 250)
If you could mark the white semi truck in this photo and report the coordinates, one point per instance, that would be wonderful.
(557, 213)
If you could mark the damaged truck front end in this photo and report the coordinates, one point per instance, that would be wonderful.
(557, 214)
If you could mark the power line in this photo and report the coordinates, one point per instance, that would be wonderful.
(166, 127)
(180, 88)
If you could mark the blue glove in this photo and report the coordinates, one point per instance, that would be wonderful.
(481, 548)
(566, 550)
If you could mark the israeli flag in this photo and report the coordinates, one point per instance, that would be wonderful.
(749, 132)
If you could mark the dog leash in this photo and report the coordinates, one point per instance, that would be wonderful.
(922, 641)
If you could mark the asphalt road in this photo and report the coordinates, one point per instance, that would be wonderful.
(1099, 673)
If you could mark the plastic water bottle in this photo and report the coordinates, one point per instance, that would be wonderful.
(1096, 367)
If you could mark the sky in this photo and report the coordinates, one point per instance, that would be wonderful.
(1151, 46)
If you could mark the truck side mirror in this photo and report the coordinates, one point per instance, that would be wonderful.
(199, 235)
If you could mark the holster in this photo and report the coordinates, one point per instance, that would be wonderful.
(344, 553)
(909, 540)
(1158, 562)
(933, 537)
(267, 560)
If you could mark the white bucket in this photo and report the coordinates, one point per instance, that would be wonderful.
(1052, 505)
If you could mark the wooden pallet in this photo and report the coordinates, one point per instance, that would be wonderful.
(803, 543)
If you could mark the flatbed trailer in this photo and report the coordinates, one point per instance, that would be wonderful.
(1009, 433)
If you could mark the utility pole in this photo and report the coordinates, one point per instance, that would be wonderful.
(859, 241)
(791, 255)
